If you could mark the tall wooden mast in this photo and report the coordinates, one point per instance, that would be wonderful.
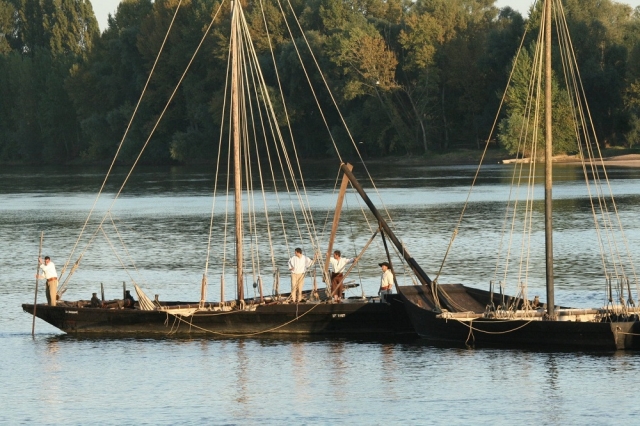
(235, 129)
(548, 164)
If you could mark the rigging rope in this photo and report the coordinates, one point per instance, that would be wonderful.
(149, 137)
(581, 111)
(257, 333)
(124, 136)
(607, 218)
(335, 104)
(484, 152)
(579, 89)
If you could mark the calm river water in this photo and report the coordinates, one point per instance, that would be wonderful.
(163, 218)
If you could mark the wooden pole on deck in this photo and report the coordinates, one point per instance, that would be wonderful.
(35, 298)
(334, 226)
(203, 290)
(221, 290)
(334, 230)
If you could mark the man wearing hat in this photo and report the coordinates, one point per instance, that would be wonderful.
(386, 282)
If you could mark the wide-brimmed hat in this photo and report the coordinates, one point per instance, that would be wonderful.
(384, 264)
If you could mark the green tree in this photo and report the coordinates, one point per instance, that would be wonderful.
(46, 39)
(600, 34)
(59, 26)
(522, 124)
(420, 38)
(7, 12)
(71, 26)
(106, 87)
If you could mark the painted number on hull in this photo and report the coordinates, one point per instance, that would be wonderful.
(339, 315)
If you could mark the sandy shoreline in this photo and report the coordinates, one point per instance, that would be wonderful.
(627, 160)
(496, 157)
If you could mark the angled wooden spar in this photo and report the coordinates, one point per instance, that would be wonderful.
(336, 220)
(422, 276)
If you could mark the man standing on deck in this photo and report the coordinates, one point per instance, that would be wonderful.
(338, 265)
(49, 273)
(298, 266)
(386, 282)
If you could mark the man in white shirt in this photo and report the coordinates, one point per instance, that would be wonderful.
(298, 266)
(338, 265)
(49, 273)
(386, 282)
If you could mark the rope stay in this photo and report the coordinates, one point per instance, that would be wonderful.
(605, 214)
(271, 166)
(63, 287)
(519, 217)
(115, 157)
(456, 229)
(333, 100)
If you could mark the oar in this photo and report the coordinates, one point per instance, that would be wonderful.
(35, 298)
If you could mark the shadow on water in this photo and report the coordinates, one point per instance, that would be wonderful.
(407, 343)
(266, 340)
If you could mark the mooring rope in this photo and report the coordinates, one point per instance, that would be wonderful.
(218, 333)
(471, 327)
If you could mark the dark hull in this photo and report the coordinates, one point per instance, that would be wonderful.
(350, 318)
(518, 333)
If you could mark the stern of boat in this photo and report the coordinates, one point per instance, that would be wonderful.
(626, 334)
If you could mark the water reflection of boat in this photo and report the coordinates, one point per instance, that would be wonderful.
(261, 164)
(463, 315)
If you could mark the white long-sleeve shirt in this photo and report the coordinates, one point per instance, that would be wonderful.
(49, 271)
(299, 265)
(338, 265)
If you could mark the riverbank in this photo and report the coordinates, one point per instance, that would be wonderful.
(451, 158)
(624, 160)
(611, 157)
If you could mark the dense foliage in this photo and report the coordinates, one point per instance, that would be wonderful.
(410, 77)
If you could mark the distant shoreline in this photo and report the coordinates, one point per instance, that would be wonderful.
(461, 158)
(625, 160)
(452, 158)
